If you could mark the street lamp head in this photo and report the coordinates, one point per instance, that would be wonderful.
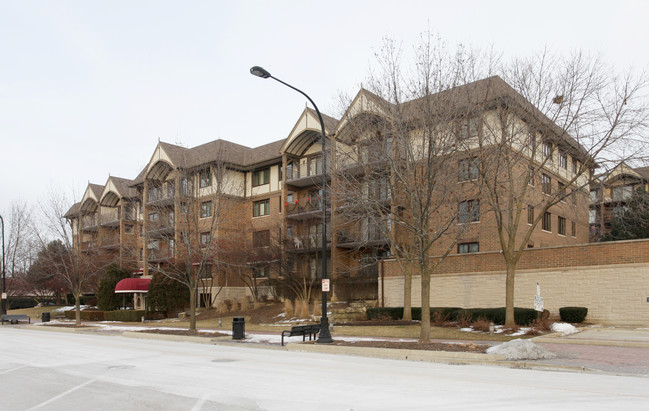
(259, 72)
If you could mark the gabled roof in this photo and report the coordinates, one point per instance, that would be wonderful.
(73, 212)
(306, 131)
(462, 100)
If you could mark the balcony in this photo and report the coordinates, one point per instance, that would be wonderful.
(110, 242)
(308, 244)
(160, 230)
(159, 256)
(110, 218)
(88, 245)
(371, 237)
(306, 174)
(307, 209)
(161, 198)
(89, 223)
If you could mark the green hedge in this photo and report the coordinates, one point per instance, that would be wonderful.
(118, 315)
(522, 316)
(16, 303)
(573, 314)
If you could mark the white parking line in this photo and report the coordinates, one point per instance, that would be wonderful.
(200, 402)
(12, 369)
(63, 394)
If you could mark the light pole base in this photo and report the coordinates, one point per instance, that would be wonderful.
(324, 337)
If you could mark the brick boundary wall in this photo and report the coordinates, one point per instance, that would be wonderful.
(610, 279)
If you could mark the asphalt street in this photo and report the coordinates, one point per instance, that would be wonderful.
(70, 371)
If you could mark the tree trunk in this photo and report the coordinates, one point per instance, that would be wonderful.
(192, 309)
(424, 336)
(407, 295)
(77, 308)
(509, 294)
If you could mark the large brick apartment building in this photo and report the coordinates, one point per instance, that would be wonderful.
(255, 213)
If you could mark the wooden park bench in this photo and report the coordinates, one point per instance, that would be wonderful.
(15, 318)
(311, 330)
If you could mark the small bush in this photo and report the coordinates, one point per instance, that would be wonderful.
(464, 318)
(573, 314)
(380, 313)
(439, 319)
(481, 324)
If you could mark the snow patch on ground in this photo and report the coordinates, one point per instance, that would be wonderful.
(564, 329)
(68, 308)
(521, 350)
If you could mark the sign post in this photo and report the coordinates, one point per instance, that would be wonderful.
(325, 285)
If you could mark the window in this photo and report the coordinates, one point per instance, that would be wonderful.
(261, 177)
(575, 165)
(205, 177)
(467, 128)
(563, 160)
(546, 184)
(206, 209)
(547, 222)
(261, 208)
(184, 207)
(593, 196)
(185, 186)
(466, 248)
(172, 248)
(530, 215)
(153, 217)
(592, 216)
(547, 150)
(171, 218)
(205, 239)
(562, 225)
(468, 169)
(153, 193)
(622, 193)
(531, 140)
(530, 176)
(262, 272)
(469, 211)
(573, 228)
(261, 239)
(289, 198)
(128, 229)
(141, 254)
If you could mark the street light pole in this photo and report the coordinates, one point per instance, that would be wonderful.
(324, 337)
(4, 290)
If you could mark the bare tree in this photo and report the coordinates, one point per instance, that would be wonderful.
(20, 244)
(540, 141)
(398, 162)
(59, 258)
(185, 239)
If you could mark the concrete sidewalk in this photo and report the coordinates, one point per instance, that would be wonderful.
(623, 351)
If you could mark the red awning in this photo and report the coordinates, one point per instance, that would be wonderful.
(133, 285)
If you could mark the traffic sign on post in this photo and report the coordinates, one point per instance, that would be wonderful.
(325, 285)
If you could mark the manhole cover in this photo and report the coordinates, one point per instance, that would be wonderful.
(223, 360)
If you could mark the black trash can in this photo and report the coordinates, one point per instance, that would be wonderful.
(238, 328)
(45, 317)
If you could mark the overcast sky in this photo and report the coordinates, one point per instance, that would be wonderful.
(88, 87)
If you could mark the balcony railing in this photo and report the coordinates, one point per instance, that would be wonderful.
(305, 174)
(306, 208)
(111, 241)
(372, 236)
(89, 223)
(161, 197)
